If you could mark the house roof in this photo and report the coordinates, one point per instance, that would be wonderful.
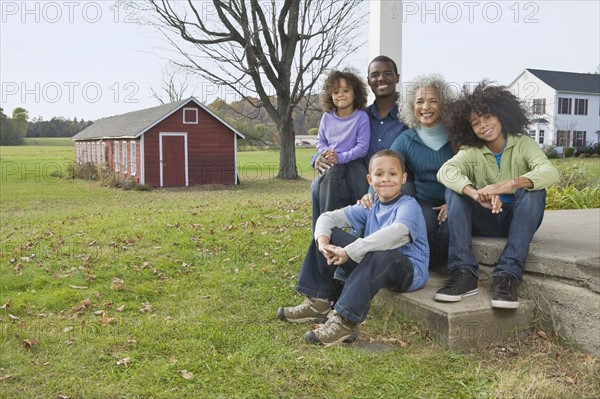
(569, 81)
(134, 124)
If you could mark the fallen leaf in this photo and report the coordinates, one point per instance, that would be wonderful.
(63, 397)
(124, 362)
(6, 305)
(146, 308)
(30, 342)
(83, 305)
(117, 284)
(106, 319)
(78, 287)
(542, 334)
(188, 375)
(67, 329)
(13, 317)
(5, 377)
(121, 308)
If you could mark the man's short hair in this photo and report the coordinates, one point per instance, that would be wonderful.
(383, 58)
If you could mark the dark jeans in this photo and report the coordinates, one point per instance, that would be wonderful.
(363, 280)
(341, 185)
(518, 222)
(437, 234)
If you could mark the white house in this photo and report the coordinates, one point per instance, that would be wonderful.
(565, 106)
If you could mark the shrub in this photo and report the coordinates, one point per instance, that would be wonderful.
(575, 189)
(313, 131)
(107, 177)
(569, 152)
(550, 151)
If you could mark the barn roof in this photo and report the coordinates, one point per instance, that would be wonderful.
(569, 81)
(134, 124)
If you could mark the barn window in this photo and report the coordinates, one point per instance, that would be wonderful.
(190, 116)
(124, 156)
(117, 157)
(133, 158)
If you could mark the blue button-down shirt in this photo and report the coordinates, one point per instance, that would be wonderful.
(383, 130)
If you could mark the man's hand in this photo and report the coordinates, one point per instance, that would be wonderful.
(322, 164)
(443, 213)
(366, 201)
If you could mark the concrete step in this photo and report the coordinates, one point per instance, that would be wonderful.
(561, 285)
(460, 325)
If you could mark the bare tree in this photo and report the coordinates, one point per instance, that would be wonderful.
(274, 51)
(173, 86)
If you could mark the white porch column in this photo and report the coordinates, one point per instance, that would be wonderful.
(385, 31)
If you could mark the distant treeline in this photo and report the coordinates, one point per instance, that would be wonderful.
(56, 127)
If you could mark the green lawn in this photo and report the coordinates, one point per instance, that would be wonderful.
(173, 294)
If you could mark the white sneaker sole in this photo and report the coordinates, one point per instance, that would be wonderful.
(505, 304)
(455, 298)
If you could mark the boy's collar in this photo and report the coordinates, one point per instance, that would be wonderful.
(392, 201)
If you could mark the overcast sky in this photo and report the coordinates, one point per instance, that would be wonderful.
(90, 59)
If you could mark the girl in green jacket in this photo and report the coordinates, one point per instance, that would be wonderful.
(496, 187)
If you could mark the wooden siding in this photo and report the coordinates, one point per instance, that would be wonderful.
(211, 149)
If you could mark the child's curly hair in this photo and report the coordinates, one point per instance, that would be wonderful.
(332, 82)
(485, 99)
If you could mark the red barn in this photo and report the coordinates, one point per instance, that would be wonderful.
(172, 145)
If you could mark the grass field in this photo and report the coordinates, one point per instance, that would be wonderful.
(106, 293)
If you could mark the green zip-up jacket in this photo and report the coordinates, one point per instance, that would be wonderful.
(522, 157)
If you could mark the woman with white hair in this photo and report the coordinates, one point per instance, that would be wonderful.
(425, 148)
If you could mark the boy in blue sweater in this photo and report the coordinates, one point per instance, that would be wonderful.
(393, 253)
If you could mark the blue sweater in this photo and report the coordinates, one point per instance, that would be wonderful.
(422, 164)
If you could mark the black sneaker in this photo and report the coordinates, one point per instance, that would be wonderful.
(505, 291)
(462, 283)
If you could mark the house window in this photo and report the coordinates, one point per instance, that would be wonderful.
(531, 134)
(564, 105)
(578, 138)
(562, 138)
(541, 137)
(117, 157)
(124, 156)
(580, 106)
(539, 106)
(133, 158)
(190, 116)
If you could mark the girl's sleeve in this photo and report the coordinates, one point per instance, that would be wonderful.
(321, 138)
(541, 171)
(363, 138)
(454, 173)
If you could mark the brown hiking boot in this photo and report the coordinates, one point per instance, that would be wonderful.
(312, 309)
(334, 331)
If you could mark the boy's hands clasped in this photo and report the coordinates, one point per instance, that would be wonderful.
(333, 254)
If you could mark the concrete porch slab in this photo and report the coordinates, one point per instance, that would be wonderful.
(461, 325)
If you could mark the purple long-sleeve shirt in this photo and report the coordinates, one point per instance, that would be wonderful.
(348, 137)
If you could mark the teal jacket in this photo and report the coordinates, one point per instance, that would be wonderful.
(522, 157)
(422, 164)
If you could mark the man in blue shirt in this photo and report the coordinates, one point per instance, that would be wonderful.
(384, 124)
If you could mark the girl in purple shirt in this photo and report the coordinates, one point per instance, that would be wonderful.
(343, 138)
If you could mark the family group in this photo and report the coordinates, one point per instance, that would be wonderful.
(404, 184)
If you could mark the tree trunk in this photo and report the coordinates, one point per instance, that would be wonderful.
(287, 153)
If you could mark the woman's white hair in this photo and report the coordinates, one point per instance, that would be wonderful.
(435, 81)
